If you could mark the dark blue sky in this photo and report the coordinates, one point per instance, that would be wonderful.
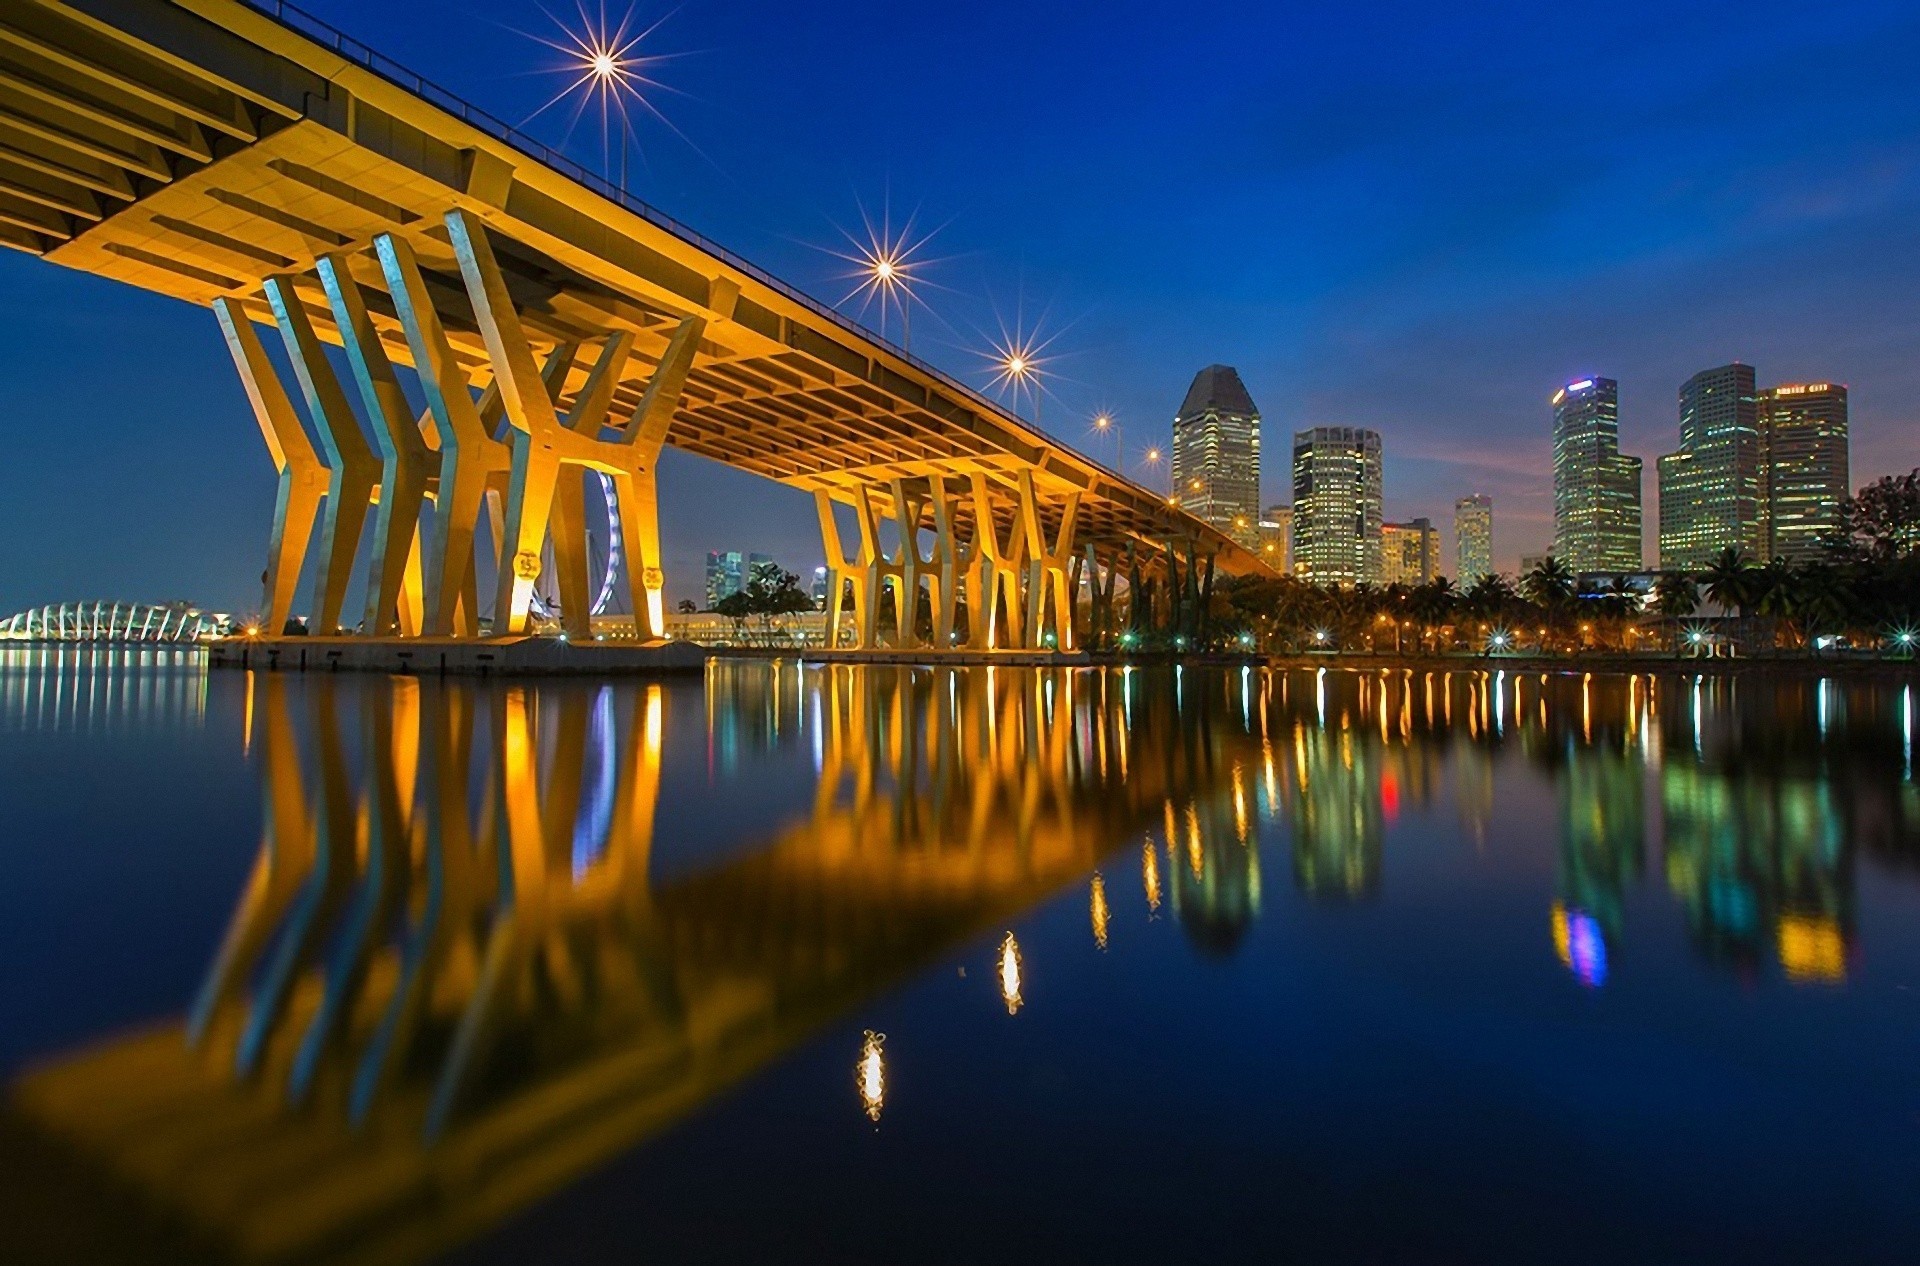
(1420, 219)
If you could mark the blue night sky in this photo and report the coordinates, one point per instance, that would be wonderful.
(1420, 219)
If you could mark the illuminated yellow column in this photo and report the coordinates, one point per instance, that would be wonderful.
(471, 460)
(636, 481)
(843, 571)
(1049, 591)
(407, 457)
(994, 591)
(303, 476)
(353, 472)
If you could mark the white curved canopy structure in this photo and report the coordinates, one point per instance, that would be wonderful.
(111, 622)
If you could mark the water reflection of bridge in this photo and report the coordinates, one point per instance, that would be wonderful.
(460, 977)
(453, 982)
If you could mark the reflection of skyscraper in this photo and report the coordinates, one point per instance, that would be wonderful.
(1215, 879)
(1596, 487)
(1762, 864)
(1472, 538)
(1336, 505)
(1602, 826)
(1338, 831)
(1216, 454)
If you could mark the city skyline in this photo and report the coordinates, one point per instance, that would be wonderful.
(1368, 306)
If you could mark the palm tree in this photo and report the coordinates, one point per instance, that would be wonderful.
(1731, 583)
(1676, 595)
(1550, 584)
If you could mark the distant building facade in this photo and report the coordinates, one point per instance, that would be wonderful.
(1472, 538)
(1803, 467)
(1529, 562)
(1596, 487)
(1409, 552)
(1336, 505)
(1276, 538)
(1216, 454)
(1710, 490)
(726, 575)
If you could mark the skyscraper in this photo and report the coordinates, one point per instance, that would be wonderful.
(1710, 490)
(1216, 454)
(1409, 552)
(1803, 466)
(1276, 538)
(1596, 488)
(1472, 538)
(726, 574)
(1336, 505)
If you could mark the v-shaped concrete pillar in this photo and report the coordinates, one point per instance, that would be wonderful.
(542, 447)
(353, 472)
(1050, 590)
(409, 459)
(303, 476)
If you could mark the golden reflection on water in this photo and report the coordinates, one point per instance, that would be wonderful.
(871, 1075)
(1097, 908)
(457, 977)
(1009, 973)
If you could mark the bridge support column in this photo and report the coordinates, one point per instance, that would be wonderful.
(303, 476)
(1049, 591)
(994, 585)
(844, 571)
(408, 460)
(472, 462)
(544, 451)
(353, 473)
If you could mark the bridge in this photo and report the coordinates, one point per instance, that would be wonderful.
(241, 155)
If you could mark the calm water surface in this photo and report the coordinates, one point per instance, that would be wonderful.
(799, 963)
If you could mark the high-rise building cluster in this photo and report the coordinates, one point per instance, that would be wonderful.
(729, 571)
(1335, 531)
(1761, 471)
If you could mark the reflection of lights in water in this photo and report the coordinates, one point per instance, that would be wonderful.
(1812, 949)
(1581, 947)
(871, 1075)
(1195, 859)
(1822, 697)
(595, 822)
(1010, 973)
(1906, 728)
(1150, 875)
(1500, 702)
(1097, 909)
(1320, 695)
(1239, 802)
(1696, 713)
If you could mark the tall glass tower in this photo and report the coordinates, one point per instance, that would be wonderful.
(1216, 454)
(1596, 487)
(1336, 505)
(1711, 490)
(1803, 449)
(1472, 538)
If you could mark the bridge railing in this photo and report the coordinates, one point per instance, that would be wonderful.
(337, 41)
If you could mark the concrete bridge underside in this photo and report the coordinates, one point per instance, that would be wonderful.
(242, 156)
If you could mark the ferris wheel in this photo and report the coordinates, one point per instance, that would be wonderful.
(605, 561)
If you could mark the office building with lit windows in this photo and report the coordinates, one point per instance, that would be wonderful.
(1336, 505)
(1472, 538)
(1409, 552)
(1710, 490)
(1596, 487)
(1803, 467)
(1276, 538)
(1216, 454)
